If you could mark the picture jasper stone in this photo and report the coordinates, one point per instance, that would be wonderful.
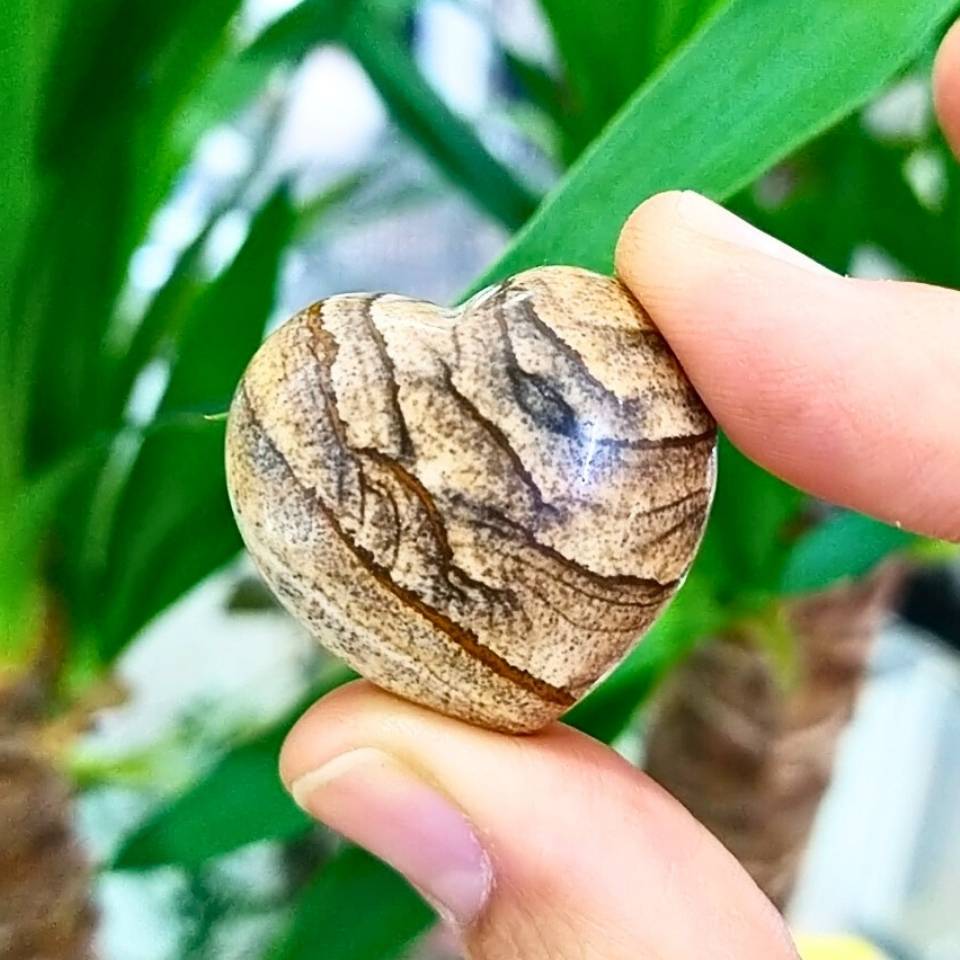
(480, 509)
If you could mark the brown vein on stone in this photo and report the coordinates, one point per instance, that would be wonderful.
(700, 492)
(466, 639)
(500, 440)
(387, 494)
(392, 386)
(645, 604)
(523, 306)
(413, 485)
(497, 521)
(683, 441)
(558, 610)
(671, 530)
(328, 344)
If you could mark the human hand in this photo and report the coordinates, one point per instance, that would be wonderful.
(552, 846)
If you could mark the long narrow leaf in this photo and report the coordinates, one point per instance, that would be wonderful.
(173, 524)
(292, 36)
(27, 33)
(240, 801)
(237, 802)
(355, 909)
(747, 538)
(447, 139)
(757, 80)
(106, 172)
(608, 49)
(846, 545)
(370, 30)
(169, 307)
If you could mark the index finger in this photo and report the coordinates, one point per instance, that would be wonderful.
(849, 389)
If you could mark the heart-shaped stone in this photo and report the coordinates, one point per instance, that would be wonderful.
(481, 509)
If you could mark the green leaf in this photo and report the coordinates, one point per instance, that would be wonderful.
(24, 519)
(598, 44)
(239, 801)
(355, 909)
(28, 31)
(608, 49)
(161, 325)
(672, 22)
(121, 57)
(172, 528)
(756, 81)
(846, 545)
(80, 256)
(228, 323)
(847, 189)
(173, 523)
(825, 211)
(113, 91)
(292, 36)
(237, 79)
(371, 31)
(543, 89)
(162, 319)
(926, 242)
(446, 139)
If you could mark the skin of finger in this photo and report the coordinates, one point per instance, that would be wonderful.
(590, 857)
(946, 86)
(847, 388)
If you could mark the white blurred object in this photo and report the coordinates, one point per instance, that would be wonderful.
(332, 119)
(143, 913)
(241, 670)
(871, 263)
(905, 111)
(522, 27)
(433, 251)
(255, 15)
(176, 226)
(885, 855)
(151, 265)
(224, 153)
(455, 52)
(225, 240)
(926, 173)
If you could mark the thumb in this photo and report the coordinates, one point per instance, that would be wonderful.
(546, 846)
(816, 377)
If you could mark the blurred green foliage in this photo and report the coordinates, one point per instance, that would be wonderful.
(755, 102)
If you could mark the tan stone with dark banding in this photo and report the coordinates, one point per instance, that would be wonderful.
(481, 510)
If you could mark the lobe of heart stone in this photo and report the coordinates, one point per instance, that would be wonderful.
(481, 510)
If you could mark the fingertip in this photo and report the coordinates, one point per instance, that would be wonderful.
(648, 230)
(360, 712)
(681, 237)
(796, 362)
(354, 708)
(946, 86)
(546, 845)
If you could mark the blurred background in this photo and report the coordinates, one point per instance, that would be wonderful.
(181, 177)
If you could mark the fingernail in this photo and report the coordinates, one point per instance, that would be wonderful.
(378, 803)
(709, 218)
